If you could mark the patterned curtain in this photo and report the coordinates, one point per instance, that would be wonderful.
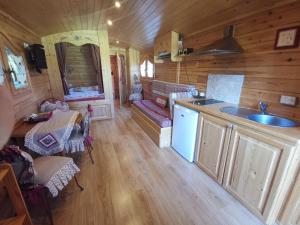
(95, 51)
(61, 59)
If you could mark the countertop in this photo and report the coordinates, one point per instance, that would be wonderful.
(288, 134)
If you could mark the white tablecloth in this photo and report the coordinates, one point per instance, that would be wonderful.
(49, 137)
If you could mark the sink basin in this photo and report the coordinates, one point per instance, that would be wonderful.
(238, 111)
(272, 120)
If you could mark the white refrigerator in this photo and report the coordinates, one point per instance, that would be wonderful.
(185, 122)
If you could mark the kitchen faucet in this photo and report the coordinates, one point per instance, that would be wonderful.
(263, 107)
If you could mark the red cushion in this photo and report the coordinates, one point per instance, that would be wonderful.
(161, 101)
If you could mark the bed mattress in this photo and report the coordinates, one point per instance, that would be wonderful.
(84, 95)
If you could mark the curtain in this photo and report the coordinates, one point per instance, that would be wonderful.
(95, 51)
(61, 59)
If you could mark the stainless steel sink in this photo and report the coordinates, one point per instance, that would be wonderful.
(254, 115)
(272, 120)
(238, 111)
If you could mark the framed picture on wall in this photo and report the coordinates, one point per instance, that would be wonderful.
(287, 38)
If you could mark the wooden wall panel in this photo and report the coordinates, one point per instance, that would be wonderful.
(268, 73)
(80, 66)
(28, 103)
(133, 65)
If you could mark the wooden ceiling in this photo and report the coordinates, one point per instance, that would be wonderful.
(138, 22)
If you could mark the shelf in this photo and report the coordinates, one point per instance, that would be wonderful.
(167, 43)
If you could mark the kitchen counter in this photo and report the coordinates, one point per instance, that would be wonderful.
(288, 134)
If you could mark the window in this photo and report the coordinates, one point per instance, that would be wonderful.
(17, 69)
(147, 69)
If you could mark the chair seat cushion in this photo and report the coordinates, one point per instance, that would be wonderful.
(54, 172)
(75, 143)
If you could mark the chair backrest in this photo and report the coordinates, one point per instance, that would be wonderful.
(21, 162)
(162, 88)
(86, 124)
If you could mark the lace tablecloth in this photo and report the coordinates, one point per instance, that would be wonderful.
(49, 137)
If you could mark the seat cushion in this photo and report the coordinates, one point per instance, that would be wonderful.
(54, 172)
(158, 115)
(75, 143)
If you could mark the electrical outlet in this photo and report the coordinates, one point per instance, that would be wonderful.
(288, 100)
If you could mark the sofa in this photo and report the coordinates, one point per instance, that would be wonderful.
(154, 115)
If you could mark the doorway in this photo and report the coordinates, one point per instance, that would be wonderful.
(115, 76)
(118, 77)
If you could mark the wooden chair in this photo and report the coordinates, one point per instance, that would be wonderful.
(43, 175)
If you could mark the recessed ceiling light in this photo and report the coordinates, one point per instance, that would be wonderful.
(109, 22)
(117, 42)
(117, 4)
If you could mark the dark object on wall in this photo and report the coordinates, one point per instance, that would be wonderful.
(36, 56)
(287, 38)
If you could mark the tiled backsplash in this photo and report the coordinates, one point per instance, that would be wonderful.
(226, 88)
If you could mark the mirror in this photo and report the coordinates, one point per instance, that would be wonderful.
(17, 69)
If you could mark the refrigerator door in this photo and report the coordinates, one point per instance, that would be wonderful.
(184, 131)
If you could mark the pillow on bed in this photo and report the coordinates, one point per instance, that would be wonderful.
(94, 88)
(77, 89)
(161, 101)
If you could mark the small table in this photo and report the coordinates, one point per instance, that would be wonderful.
(60, 121)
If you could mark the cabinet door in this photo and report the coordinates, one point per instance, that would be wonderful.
(213, 146)
(258, 171)
(291, 212)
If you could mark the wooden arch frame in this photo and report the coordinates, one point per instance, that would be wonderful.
(78, 38)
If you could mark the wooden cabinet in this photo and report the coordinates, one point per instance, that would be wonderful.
(291, 212)
(259, 171)
(102, 109)
(213, 146)
(167, 43)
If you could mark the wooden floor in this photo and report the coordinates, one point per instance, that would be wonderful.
(133, 182)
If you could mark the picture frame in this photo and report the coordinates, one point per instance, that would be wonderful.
(287, 38)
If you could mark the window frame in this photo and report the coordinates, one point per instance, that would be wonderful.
(146, 76)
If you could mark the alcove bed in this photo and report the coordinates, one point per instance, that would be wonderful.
(81, 78)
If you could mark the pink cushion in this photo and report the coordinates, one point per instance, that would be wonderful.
(161, 101)
(155, 113)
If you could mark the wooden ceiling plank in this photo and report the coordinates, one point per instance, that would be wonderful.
(137, 22)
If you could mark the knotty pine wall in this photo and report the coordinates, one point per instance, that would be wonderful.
(80, 66)
(268, 73)
(28, 103)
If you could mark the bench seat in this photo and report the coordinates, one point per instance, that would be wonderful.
(161, 136)
(160, 116)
